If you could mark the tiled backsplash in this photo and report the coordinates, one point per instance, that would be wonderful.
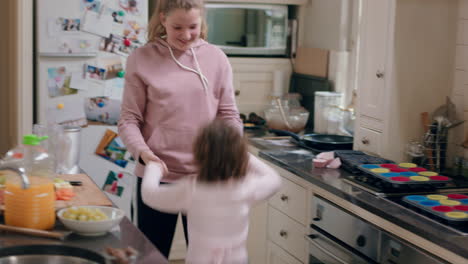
(460, 89)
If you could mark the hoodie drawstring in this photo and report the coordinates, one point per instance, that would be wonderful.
(203, 79)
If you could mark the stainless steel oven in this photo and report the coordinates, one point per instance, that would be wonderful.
(322, 249)
(339, 237)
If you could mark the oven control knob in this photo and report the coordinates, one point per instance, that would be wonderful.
(361, 241)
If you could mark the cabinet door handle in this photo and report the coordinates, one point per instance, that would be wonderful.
(284, 197)
(379, 74)
(365, 141)
(283, 234)
(237, 92)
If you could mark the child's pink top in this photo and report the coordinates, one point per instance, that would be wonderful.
(218, 214)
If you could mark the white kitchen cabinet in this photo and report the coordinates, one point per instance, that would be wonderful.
(374, 42)
(290, 200)
(281, 223)
(287, 233)
(254, 81)
(406, 59)
(277, 255)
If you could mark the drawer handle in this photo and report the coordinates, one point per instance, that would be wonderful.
(237, 92)
(365, 141)
(284, 197)
(283, 234)
(379, 74)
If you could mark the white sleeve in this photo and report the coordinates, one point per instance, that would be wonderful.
(266, 180)
(170, 198)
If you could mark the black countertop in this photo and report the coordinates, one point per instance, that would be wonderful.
(126, 234)
(122, 236)
(299, 162)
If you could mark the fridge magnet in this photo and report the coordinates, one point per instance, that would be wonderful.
(113, 71)
(103, 109)
(97, 24)
(112, 149)
(131, 6)
(113, 66)
(117, 15)
(118, 45)
(134, 31)
(58, 82)
(113, 183)
(90, 5)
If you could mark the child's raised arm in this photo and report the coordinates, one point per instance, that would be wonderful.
(171, 198)
(266, 180)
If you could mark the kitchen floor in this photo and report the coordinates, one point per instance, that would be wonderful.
(177, 261)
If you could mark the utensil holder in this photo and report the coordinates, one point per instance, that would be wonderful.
(435, 145)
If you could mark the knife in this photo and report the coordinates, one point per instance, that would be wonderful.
(75, 183)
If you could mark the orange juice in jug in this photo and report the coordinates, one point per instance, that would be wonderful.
(31, 205)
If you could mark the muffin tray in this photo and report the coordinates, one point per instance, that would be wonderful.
(404, 174)
(451, 207)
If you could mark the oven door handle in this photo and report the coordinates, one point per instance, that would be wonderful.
(324, 250)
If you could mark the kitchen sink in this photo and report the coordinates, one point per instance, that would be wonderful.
(51, 254)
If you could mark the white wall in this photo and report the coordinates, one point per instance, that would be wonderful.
(459, 93)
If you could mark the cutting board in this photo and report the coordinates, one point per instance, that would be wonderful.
(86, 194)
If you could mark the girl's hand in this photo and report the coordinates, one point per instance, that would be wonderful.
(148, 156)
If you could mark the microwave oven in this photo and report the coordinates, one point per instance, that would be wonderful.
(248, 29)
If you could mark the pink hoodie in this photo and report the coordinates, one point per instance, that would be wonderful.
(169, 94)
(217, 213)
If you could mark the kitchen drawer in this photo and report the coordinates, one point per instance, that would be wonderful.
(277, 255)
(371, 123)
(368, 140)
(291, 199)
(287, 233)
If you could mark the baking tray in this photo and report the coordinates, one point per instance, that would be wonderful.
(404, 174)
(451, 207)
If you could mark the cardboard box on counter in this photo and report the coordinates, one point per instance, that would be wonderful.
(312, 61)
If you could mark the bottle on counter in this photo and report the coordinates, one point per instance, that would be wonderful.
(30, 197)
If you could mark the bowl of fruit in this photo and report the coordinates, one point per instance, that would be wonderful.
(90, 220)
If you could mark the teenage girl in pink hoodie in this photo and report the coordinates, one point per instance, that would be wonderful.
(217, 202)
(173, 85)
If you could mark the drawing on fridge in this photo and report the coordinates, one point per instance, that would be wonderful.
(81, 49)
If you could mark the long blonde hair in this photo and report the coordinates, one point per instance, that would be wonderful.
(155, 27)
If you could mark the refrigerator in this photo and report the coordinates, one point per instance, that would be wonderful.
(81, 48)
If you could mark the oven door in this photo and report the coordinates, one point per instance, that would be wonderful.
(326, 249)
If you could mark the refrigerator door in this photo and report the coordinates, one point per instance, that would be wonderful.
(51, 103)
(58, 27)
(68, 37)
(118, 183)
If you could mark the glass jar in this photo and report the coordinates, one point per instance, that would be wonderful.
(30, 206)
